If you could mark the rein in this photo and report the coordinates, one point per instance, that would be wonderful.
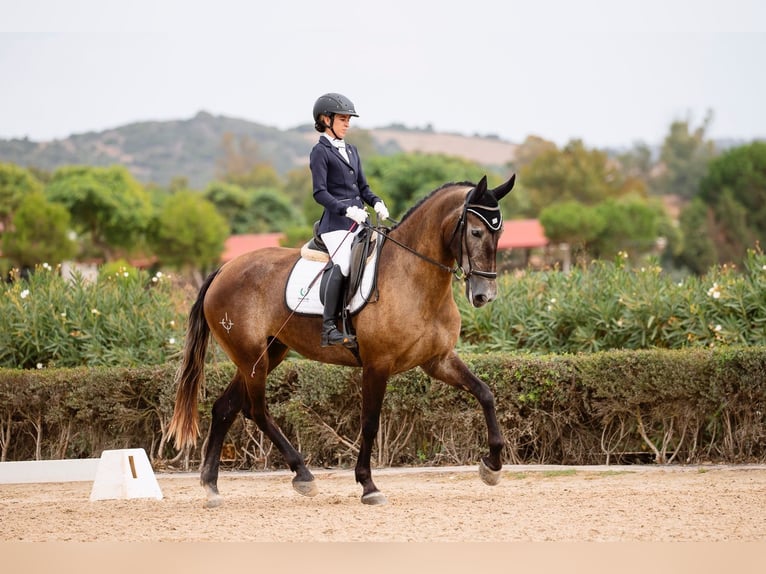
(460, 226)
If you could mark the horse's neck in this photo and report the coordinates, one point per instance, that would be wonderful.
(427, 231)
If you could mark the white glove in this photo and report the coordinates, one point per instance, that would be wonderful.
(358, 214)
(381, 209)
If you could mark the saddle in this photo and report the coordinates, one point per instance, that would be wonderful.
(303, 293)
(362, 250)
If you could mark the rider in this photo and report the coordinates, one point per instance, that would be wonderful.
(341, 188)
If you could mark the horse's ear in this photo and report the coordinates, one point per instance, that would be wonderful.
(477, 192)
(500, 191)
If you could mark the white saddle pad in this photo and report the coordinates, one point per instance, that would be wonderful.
(302, 290)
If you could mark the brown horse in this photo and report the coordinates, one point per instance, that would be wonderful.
(413, 323)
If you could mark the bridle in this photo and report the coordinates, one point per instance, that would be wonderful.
(484, 213)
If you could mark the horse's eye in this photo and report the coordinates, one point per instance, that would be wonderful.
(476, 232)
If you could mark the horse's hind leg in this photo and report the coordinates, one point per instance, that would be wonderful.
(225, 411)
(303, 481)
(454, 372)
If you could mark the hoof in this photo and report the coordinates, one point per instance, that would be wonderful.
(374, 498)
(213, 501)
(488, 476)
(306, 488)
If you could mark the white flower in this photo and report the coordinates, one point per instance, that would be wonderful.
(154, 279)
(172, 323)
(39, 365)
(25, 293)
(717, 328)
(125, 274)
(172, 340)
(95, 311)
(553, 300)
(46, 266)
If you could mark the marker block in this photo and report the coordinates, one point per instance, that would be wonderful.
(124, 473)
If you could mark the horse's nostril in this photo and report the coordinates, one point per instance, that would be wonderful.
(480, 300)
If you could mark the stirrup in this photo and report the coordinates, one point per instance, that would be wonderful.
(333, 337)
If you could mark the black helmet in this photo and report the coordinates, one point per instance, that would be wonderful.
(329, 104)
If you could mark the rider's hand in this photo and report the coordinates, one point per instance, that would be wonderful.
(358, 214)
(381, 209)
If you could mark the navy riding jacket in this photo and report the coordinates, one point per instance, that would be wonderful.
(338, 184)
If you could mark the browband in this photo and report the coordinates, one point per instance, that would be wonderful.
(491, 216)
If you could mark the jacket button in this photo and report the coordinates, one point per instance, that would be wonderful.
(353, 185)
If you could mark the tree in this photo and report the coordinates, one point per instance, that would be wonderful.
(699, 252)
(38, 233)
(574, 173)
(403, 179)
(573, 223)
(241, 164)
(188, 233)
(631, 225)
(15, 184)
(270, 210)
(232, 202)
(107, 204)
(684, 157)
(739, 173)
(532, 148)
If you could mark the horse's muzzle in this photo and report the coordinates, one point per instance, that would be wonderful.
(480, 291)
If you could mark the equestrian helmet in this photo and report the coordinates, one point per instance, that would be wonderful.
(332, 103)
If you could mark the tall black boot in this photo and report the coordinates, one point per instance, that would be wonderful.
(332, 302)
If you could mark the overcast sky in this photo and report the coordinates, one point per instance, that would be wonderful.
(609, 72)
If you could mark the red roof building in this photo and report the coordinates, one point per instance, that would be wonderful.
(238, 244)
(522, 234)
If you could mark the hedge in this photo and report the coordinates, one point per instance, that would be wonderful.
(682, 406)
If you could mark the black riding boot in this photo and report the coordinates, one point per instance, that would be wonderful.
(332, 303)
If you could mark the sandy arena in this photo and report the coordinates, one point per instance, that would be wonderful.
(531, 503)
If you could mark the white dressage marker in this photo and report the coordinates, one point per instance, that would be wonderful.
(65, 470)
(124, 473)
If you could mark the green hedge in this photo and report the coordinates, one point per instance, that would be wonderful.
(695, 405)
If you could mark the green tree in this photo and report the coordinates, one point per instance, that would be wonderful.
(188, 233)
(241, 164)
(403, 179)
(270, 210)
(738, 176)
(15, 184)
(699, 252)
(684, 157)
(38, 233)
(631, 225)
(573, 223)
(574, 173)
(106, 203)
(232, 202)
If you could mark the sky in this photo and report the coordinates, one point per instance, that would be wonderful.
(612, 73)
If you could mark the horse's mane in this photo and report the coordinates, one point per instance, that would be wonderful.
(430, 195)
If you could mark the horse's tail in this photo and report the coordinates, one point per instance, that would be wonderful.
(184, 425)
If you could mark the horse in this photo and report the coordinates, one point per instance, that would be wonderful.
(414, 322)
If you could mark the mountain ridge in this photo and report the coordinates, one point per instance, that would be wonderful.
(157, 151)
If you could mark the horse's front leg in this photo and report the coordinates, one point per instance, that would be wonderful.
(454, 372)
(373, 391)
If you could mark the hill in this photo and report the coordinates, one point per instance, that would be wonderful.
(156, 152)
